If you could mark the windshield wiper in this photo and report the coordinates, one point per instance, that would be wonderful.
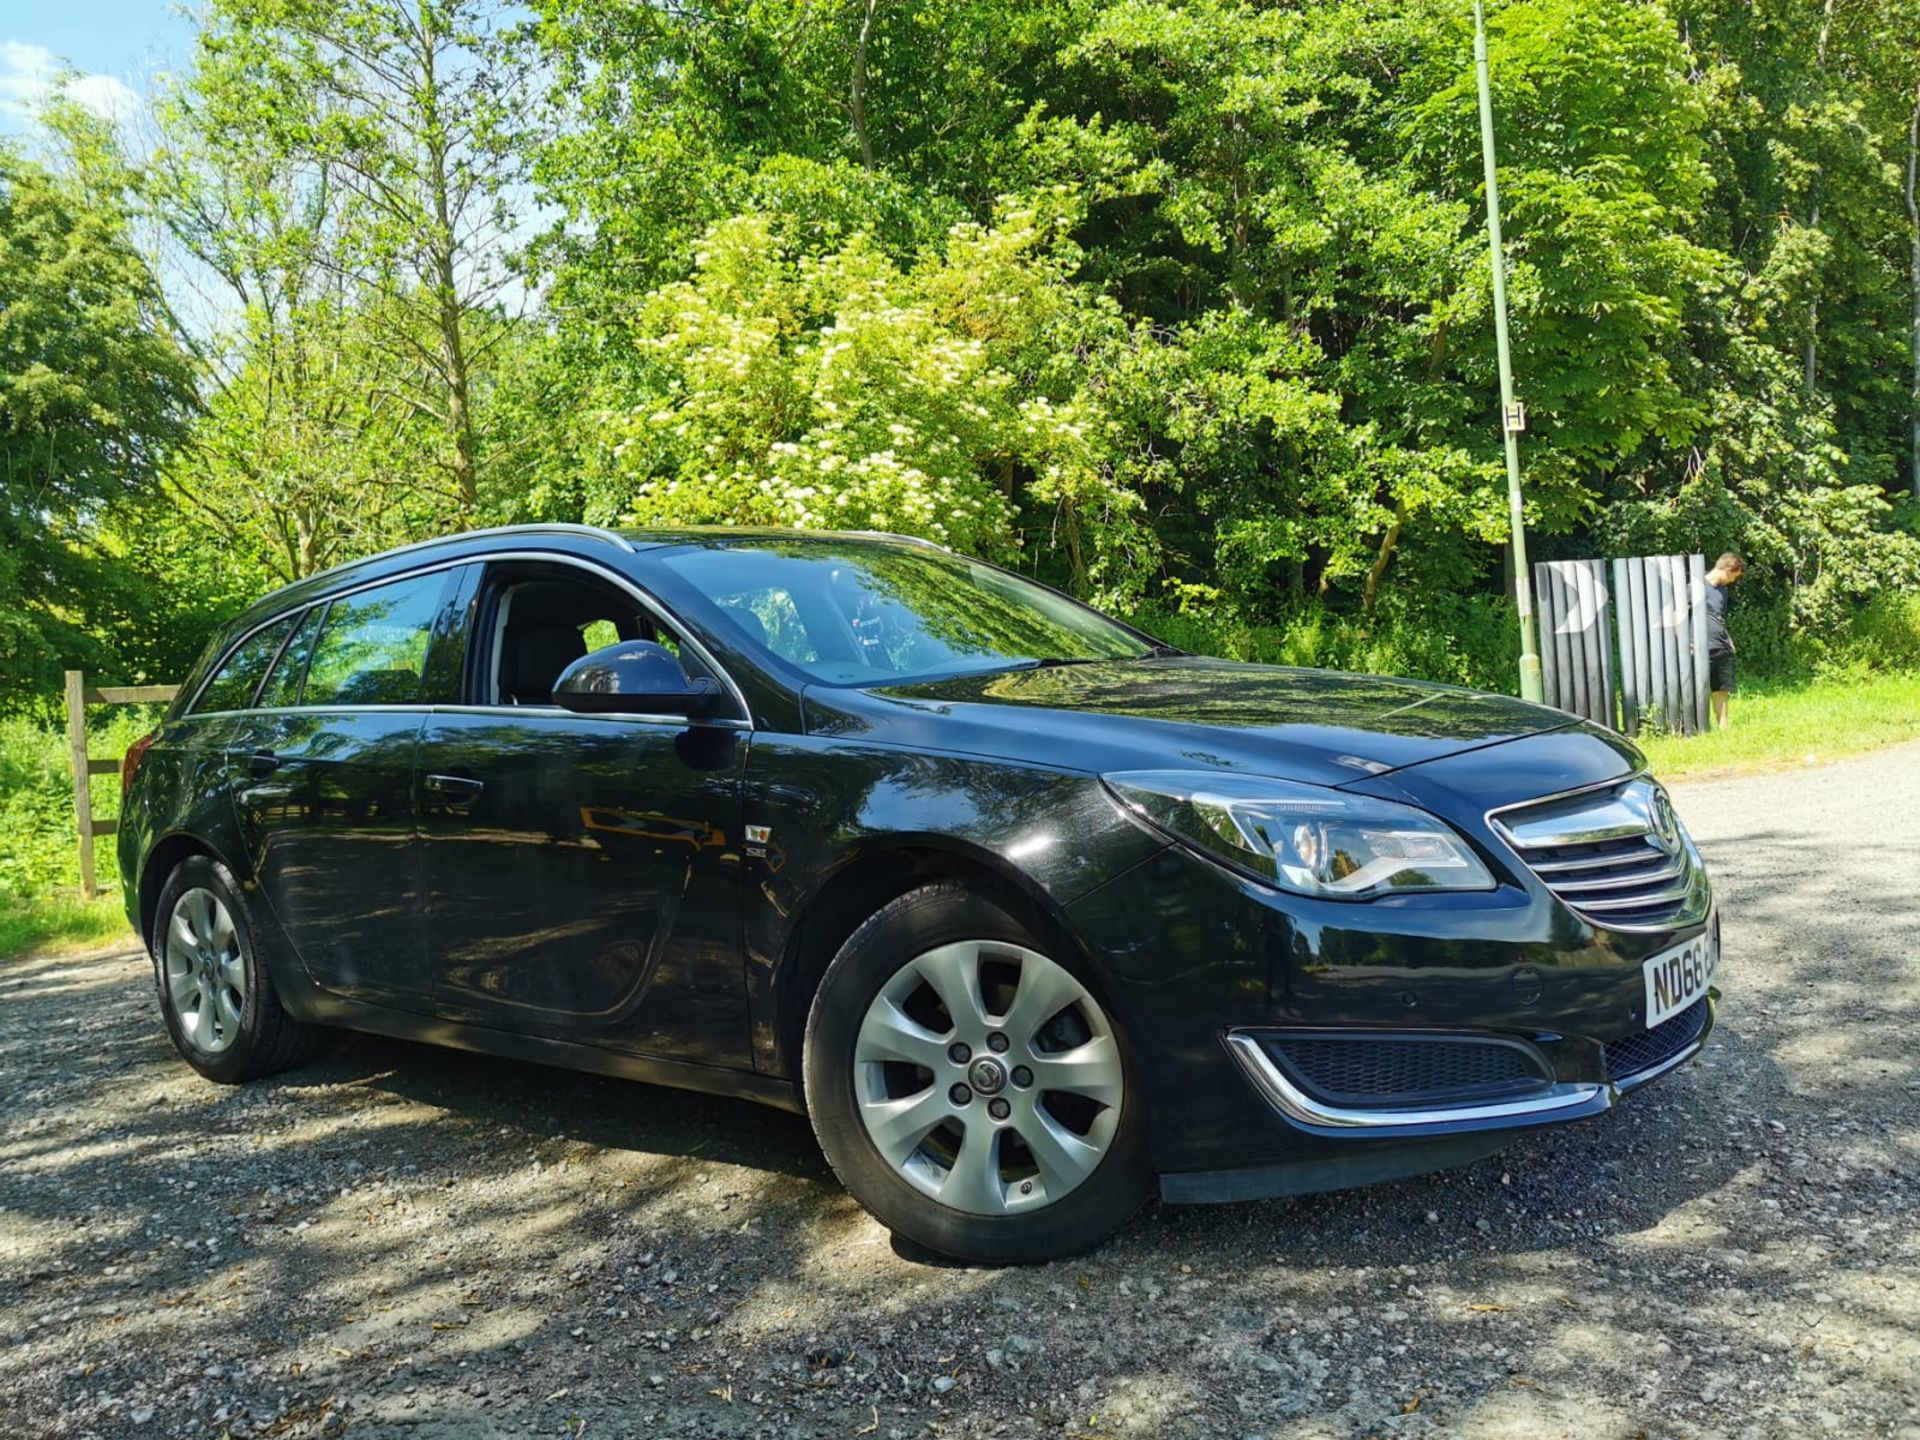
(1054, 662)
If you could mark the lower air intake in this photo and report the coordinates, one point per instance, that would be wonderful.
(1391, 1071)
(1642, 1052)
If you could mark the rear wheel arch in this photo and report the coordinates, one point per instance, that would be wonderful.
(856, 891)
(163, 859)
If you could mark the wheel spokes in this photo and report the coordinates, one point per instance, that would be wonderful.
(973, 1183)
(1092, 1070)
(953, 972)
(889, 1033)
(1045, 989)
(226, 1006)
(204, 970)
(1064, 1159)
(182, 985)
(985, 1076)
(898, 1126)
(202, 1032)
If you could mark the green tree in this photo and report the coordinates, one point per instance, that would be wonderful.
(93, 391)
(395, 121)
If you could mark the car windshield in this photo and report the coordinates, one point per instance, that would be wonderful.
(866, 613)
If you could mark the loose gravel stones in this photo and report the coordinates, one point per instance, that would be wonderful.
(403, 1242)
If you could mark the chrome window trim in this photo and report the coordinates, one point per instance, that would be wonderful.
(741, 721)
(1293, 1102)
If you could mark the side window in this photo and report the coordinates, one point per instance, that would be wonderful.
(372, 646)
(233, 684)
(544, 619)
(283, 685)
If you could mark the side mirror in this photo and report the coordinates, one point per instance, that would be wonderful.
(634, 677)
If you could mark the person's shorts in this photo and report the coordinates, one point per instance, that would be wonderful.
(1720, 672)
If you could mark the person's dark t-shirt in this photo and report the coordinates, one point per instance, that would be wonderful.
(1719, 641)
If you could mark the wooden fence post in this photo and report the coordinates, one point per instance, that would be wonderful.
(82, 786)
(85, 766)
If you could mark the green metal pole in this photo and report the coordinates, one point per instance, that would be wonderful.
(1511, 417)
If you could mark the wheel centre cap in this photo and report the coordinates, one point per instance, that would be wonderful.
(987, 1076)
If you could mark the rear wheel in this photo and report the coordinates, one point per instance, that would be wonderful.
(970, 1088)
(216, 997)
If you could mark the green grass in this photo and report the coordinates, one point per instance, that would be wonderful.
(1774, 728)
(40, 906)
(55, 923)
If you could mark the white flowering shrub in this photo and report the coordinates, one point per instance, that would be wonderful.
(841, 391)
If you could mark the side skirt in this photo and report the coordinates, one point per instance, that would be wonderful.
(325, 1009)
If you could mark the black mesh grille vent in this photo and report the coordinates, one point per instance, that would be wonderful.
(1627, 1058)
(1395, 1071)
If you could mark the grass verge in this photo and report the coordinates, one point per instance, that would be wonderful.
(1776, 728)
(40, 906)
(42, 925)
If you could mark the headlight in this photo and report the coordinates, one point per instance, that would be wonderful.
(1314, 841)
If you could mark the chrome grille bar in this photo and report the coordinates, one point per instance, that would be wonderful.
(1615, 853)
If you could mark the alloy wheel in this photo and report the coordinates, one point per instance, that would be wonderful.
(988, 1077)
(206, 974)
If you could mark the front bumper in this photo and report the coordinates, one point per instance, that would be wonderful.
(1205, 966)
(1395, 1145)
(1547, 1101)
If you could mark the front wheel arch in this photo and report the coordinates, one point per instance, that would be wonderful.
(860, 887)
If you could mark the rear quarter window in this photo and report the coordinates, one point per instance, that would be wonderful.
(372, 648)
(239, 675)
(283, 685)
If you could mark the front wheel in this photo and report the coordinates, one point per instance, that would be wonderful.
(969, 1088)
(221, 1010)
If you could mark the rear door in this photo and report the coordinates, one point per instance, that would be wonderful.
(581, 871)
(326, 802)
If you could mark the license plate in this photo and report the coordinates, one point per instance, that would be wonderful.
(1676, 978)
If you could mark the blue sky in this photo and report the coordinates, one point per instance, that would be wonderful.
(117, 45)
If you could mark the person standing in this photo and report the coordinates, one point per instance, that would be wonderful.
(1726, 572)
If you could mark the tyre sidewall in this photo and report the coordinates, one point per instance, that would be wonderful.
(231, 1065)
(909, 926)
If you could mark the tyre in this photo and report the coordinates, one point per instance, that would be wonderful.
(970, 1088)
(217, 999)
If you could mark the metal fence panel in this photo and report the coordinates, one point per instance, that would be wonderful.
(1576, 639)
(1662, 635)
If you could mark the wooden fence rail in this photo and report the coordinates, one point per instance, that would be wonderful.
(79, 696)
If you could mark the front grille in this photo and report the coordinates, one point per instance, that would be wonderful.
(1627, 1058)
(1618, 855)
(1391, 1070)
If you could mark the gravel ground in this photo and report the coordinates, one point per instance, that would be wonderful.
(405, 1241)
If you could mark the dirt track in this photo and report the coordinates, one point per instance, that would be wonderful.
(400, 1240)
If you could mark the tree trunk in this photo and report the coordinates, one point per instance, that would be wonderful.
(449, 317)
(1813, 221)
(1913, 238)
(1385, 558)
(857, 87)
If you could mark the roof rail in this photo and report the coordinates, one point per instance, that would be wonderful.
(896, 535)
(590, 532)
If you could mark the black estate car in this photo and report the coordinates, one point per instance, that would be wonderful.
(1029, 913)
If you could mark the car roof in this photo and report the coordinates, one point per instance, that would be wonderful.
(578, 540)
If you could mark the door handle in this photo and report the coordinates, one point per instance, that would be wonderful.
(463, 787)
(262, 763)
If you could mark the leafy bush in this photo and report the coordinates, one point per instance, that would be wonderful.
(39, 855)
(1458, 640)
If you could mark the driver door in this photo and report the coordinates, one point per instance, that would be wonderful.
(580, 871)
